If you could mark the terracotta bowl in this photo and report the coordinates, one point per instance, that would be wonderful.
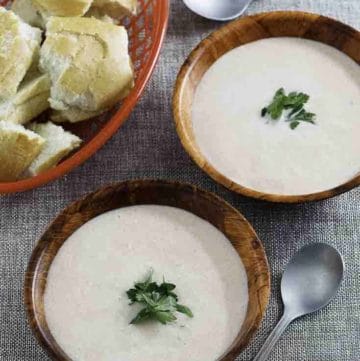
(205, 205)
(146, 34)
(237, 33)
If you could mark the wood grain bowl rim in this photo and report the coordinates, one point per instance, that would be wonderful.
(182, 195)
(161, 8)
(209, 45)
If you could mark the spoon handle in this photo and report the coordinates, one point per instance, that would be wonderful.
(273, 337)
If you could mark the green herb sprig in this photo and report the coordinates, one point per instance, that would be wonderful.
(294, 103)
(160, 302)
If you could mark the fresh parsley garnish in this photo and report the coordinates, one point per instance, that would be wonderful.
(294, 104)
(160, 301)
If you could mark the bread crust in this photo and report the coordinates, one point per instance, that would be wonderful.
(62, 7)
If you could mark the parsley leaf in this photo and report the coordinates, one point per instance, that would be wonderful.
(275, 109)
(293, 103)
(294, 124)
(304, 116)
(295, 99)
(185, 310)
(160, 302)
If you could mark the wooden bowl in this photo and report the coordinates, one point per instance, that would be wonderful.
(237, 33)
(205, 205)
(146, 35)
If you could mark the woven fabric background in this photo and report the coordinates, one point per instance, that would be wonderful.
(148, 147)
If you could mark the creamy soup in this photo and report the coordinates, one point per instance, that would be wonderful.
(87, 308)
(267, 155)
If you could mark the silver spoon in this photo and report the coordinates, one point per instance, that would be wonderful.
(309, 283)
(221, 10)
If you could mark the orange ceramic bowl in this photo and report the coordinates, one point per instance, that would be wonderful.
(146, 34)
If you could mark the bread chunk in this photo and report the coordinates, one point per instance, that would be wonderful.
(29, 102)
(62, 7)
(19, 47)
(89, 66)
(116, 9)
(18, 149)
(28, 12)
(59, 144)
(98, 14)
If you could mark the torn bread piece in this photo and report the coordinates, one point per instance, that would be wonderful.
(62, 7)
(116, 9)
(29, 102)
(19, 47)
(89, 66)
(59, 144)
(18, 149)
(97, 14)
(28, 12)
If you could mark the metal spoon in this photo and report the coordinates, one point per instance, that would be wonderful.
(310, 281)
(221, 10)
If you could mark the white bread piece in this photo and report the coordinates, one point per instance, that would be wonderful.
(116, 9)
(18, 149)
(97, 14)
(89, 66)
(62, 7)
(19, 46)
(29, 102)
(28, 12)
(59, 144)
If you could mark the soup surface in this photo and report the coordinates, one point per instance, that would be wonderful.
(87, 308)
(267, 155)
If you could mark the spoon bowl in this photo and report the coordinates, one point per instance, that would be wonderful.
(311, 279)
(220, 10)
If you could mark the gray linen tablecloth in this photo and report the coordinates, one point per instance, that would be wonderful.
(147, 146)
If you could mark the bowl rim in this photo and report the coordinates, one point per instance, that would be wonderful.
(39, 256)
(161, 8)
(189, 144)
